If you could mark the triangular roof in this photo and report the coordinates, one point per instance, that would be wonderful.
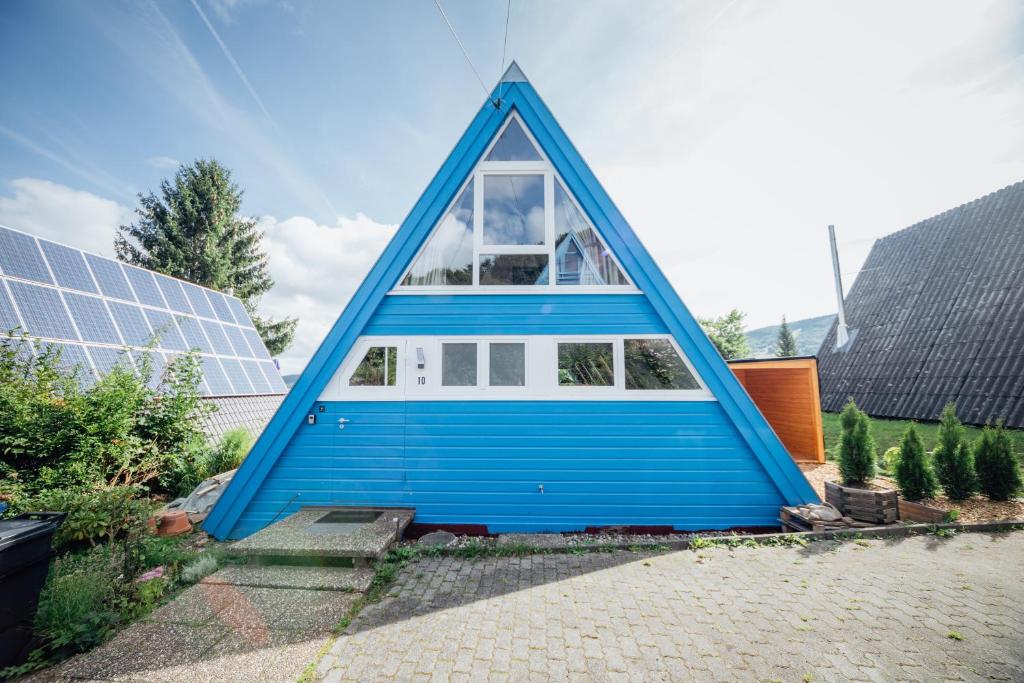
(516, 93)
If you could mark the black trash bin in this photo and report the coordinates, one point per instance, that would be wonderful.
(25, 549)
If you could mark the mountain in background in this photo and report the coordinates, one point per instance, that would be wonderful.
(809, 333)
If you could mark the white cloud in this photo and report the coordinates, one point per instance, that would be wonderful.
(164, 163)
(316, 269)
(62, 214)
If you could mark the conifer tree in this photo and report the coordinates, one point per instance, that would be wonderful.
(785, 345)
(856, 447)
(953, 459)
(998, 470)
(193, 231)
(727, 334)
(913, 471)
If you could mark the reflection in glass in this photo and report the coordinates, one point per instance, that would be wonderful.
(377, 369)
(458, 365)
(586, 364)
(508, 364)
(514, 269)
(447, 258)
(581, 256)
(654, 364)
(513, 209)
(513, 145)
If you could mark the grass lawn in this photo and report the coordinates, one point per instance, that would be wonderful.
(887, 433)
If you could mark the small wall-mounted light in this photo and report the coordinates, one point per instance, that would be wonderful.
(421, 358)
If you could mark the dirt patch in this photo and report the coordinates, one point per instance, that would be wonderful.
(976, 509)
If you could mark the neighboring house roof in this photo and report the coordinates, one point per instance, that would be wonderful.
(938, 312)
(513, 92)
(251, 412)
(99, 312)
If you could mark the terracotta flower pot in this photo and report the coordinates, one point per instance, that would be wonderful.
(174, 523)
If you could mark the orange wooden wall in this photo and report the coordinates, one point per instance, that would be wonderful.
(786, 392)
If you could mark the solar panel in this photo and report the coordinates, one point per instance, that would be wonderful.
(259, 382)
(91, 317)
(256, 343)
(197, 297)
(237, 375)
(42, 310)
(237, 339)
(71, 358)
(165, 329)
(220, 306)
(105, 358)
(273, 376)
(216, 380)
(8, 316)
(173, 293)
(20, 257)
(68, 266)
(215, 334)
(193, 334)
(132, 323)
(110, 276)
(145, 286)
(238, 310)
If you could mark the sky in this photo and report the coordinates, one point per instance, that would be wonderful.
(730, 134)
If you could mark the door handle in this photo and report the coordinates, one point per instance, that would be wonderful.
(342, 421)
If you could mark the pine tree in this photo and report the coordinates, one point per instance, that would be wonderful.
(785, 346)
(856, 447)
(913, 471)
(193, 231)
(727, 334)
(953, 460)
(998, 470)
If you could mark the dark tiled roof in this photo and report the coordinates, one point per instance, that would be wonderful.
(251, 412)
(939, 314)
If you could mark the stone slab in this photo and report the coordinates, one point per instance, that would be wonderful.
(292, 537)
(311, 611)
(282, 576)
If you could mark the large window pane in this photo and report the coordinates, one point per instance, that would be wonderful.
(586, 364)
(377, 369)
(514, 269)
(582, 257)
(458, 365)
(508, 364)
(654, 364)
(447, 258)
(513, 145)
(513, 209)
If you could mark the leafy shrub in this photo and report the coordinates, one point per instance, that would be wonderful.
(99, 515)
(197, 569)
(913, 471)
(231, 451)
(55, 433)
(953, 460)
(998, 471)
(184, 473)
(856, 447)
(889, 458)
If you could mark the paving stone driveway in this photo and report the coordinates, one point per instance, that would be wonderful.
(881, 611)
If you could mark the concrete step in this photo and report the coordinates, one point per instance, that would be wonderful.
(352, 536)
(278, 576)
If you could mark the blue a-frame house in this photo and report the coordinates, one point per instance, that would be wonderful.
(515, 359)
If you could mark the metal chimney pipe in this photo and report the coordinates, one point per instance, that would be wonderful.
(842, 334)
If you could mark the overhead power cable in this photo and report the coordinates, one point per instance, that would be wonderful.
(487, 93)
(504, 48)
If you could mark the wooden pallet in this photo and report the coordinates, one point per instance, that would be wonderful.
(877, 507)
(791, 520)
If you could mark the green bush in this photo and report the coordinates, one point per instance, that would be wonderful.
(953, 460)
(184, 473)
(55, 433)
(913, 470)
(889, 459)
(100, 515)
(856, 447)
(231, 451)
(998, 471)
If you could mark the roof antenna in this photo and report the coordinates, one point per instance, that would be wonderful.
(504, 49)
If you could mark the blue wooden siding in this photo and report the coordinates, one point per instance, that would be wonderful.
(515, 314)
(480, 462)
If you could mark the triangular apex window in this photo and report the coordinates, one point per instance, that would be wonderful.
(513, 145)
(509, 224)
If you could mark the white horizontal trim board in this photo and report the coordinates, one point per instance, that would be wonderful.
(424, 384)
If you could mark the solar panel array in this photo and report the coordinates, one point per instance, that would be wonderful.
(100, 313)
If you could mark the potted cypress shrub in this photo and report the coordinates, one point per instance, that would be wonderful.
(854, 496)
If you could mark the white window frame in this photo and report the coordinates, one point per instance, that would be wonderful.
(550, 175)
(541, 359)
